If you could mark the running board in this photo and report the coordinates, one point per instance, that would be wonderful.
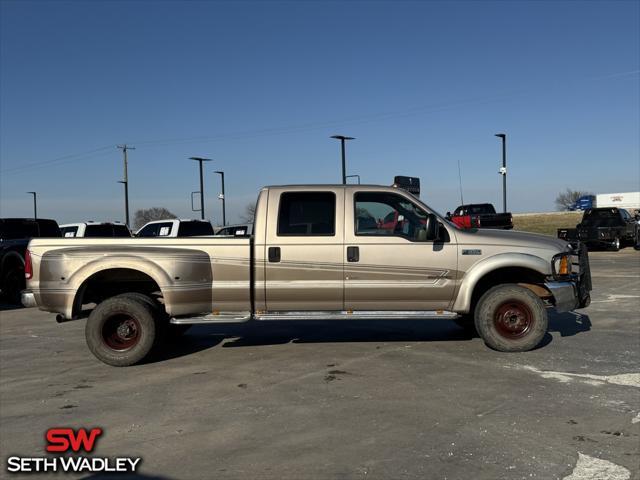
(357, 315)
(221, 317)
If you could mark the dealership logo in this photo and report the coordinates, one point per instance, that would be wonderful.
(68, 443)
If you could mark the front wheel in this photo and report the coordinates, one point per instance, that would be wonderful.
(122, 330)
(510, 318)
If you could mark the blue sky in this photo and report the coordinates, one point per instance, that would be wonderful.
(260, 87)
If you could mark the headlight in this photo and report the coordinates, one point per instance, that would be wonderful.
(562, 264)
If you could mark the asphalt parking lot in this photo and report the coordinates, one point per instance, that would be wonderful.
(342, 400)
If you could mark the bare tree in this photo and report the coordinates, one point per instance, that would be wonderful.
(567, 198)
(145, 215)
(249, 213)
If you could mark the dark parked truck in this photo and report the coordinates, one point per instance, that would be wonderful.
(481, 215)
(15, 234)
(318, 252)
(609, 228)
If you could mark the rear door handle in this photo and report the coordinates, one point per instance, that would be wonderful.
(274, 254)
(353, 254)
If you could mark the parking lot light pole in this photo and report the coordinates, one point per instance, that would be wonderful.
(222, 197)
(35, 204)
(342, 139)
(200, 160)
(503, 170)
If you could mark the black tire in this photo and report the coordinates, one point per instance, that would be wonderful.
(510, 318)
(12, 284)
(466, 322)
(123, 330)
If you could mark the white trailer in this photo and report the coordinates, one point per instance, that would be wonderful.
(630, 201)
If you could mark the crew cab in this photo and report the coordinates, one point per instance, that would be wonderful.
(480, 215)
(317, 252)
(15, 234)
(175, 227)
(610, 228)
(95, 229)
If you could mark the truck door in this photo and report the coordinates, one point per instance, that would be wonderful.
(391, 265)
(303, 250)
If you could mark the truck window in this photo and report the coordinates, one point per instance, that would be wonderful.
(69, 232)
(481, 209)
(149, 231)
(121, 231)
(11, 229)
(48, 228)
(388, 214)
(192, 229)
(98, 231)
(307, 214)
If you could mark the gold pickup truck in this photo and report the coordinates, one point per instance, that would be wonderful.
(317, 252)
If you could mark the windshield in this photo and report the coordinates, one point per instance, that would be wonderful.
(441, 217)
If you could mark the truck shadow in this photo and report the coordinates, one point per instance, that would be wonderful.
(568, 324)
(255, 333)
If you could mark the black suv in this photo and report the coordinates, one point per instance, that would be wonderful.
(610, 228)
(15, 234)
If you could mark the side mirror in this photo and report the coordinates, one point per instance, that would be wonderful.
(448, 215)
(432, 227)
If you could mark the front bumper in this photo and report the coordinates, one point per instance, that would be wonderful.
(28, 299)
(573, 291)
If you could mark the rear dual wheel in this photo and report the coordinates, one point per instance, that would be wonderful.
(125, 329)
(510, 318)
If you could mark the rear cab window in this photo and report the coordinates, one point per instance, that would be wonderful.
(192, 229)
(307, 214)
(98, 231)
(121, 231)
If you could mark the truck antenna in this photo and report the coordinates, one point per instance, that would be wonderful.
(460, 181)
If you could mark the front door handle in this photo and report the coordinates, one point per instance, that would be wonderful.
(353, 254)
(274, 254)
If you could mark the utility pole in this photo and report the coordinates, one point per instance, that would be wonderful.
(503, 170)
(223, 198)
(125, 182)
(35, 205)
(200, 160)
(342, 139)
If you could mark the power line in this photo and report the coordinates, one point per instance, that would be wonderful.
(61, 160)
(434, 107)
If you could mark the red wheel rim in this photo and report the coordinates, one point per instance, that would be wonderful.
(121, 332)
(513, 319)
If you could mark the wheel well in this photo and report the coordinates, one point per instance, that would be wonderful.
(12, 260)
(112, 282)
(525, 277)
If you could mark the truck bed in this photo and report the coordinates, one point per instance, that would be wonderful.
(194, 274)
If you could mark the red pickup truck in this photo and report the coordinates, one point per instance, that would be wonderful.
(480, 215)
